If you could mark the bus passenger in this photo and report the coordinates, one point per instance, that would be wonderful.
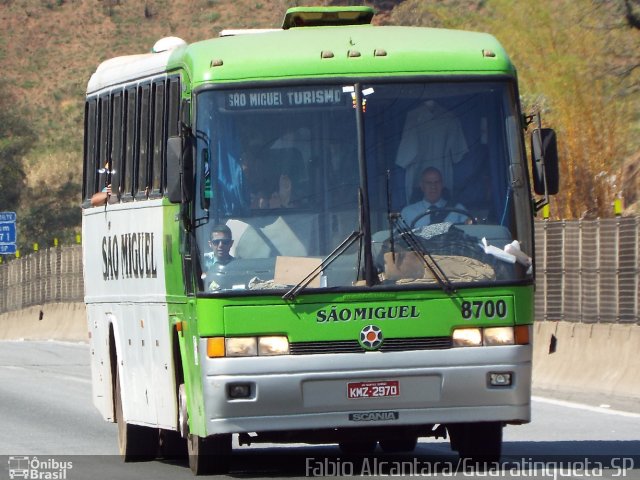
(440, 209)
(270, 175)
(281, 198)
(101, 197)
(221, 243)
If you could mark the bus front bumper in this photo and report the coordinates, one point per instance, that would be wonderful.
(304, 392)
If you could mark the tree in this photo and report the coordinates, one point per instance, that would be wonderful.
(15, 140)
(50, 214)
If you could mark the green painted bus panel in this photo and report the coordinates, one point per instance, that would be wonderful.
(296, 53)
(327, 322)
(182, 310)
(193, 384)
(188, 339)
(524, 305)
(340, 317)
(172, 254)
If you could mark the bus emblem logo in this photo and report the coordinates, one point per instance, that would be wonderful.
(371, 337)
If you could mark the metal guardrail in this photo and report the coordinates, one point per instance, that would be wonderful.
(587, 271)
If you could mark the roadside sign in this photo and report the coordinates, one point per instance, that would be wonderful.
(7, 233)
(9, 249)
(8, 217)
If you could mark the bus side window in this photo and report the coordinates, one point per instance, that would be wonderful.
(172, 118)
(130, 143)
(159, 136)
(143, 145)
(103, 145)
(116, 143)
(173, 121)
(91, 175)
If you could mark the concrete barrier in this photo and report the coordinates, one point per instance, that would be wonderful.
(602, 359)
(574, 358)
(55, 321)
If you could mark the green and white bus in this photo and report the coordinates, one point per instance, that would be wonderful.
(336, 319)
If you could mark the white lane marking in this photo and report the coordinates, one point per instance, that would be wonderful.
(582, 406)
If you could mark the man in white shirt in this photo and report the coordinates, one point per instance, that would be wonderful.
(432, 136)
(431, 186)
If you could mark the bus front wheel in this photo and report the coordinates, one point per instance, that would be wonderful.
(206, 454)
(399, 445)
(209, 455)
(357, 447)
(477, 442)
(135, 442)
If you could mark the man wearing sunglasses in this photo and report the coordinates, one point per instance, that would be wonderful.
(220, 243)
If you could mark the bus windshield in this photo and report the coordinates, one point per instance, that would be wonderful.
(278, 177)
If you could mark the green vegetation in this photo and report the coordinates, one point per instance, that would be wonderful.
(578, 61)
(15, 141)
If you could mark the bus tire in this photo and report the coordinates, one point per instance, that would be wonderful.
(209, 455)
(206, 454)
(172, 445)
(397, 445)
(135, 442)
(477, 442)
(357, 447)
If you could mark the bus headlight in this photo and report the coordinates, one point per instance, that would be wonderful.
(276, 345)
(499, 336)
(247, 346)
(467, 337)
(241, 346)
(491, 336)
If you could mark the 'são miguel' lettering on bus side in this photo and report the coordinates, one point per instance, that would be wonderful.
(129, 255)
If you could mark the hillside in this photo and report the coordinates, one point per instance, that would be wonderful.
(569, 55)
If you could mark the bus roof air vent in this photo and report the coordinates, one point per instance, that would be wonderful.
(326, 16)
(167, 43)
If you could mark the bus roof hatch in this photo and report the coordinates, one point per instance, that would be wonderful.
(326, 16)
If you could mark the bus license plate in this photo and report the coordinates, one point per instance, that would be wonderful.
(387, 388)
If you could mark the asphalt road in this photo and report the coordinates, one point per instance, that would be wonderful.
(49, 426)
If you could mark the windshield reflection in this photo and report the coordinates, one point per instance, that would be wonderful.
(279, 168)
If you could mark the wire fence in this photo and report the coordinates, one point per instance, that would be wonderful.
(47, 276)
(587, 271)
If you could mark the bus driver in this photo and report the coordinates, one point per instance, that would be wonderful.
(440, 209)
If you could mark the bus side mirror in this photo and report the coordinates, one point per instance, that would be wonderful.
(544, 161)
(179, 170)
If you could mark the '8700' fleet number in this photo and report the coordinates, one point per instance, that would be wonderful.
(483, 308)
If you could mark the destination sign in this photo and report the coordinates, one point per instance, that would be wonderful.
(266, 99)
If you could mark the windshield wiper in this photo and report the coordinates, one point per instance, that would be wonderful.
(414, 244)
(328, 260)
